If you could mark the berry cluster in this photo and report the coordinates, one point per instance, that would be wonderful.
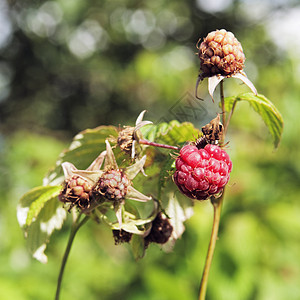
(201, 173)
(221, 53)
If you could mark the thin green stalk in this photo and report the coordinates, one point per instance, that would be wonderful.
(222, 102)
(75, 226)
(217, 205)
(229, 117)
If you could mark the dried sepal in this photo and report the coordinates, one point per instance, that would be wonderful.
(129, 136)
(140, 123)
(118, 210)
(128, 221)
(246, 80)
(97, 163)
(134, 169)
(134, 194)
(110, 160)
(213, 83)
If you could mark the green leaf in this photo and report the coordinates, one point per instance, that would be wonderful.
(172, 133)
(85, 147)
(138, 246)
(178, 133)
(265, 108)
(42, 196)
(33, 201)
(39, 213)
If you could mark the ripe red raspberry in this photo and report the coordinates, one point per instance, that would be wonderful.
(201, 173)
(113, 185)
(220, 53)
(76, 191)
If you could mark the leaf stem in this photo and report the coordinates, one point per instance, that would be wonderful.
(145, 142)
(217, 205)
(229, 117)
(75, 226)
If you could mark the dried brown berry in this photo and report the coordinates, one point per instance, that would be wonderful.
(77, 192)
(121, 236)
(113, 185)
(220, 53)
(125, 139)
(161, 230)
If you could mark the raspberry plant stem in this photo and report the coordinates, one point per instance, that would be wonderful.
(145, 142)
(75, 226)
(217, 205)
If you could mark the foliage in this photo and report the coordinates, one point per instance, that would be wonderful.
(265, 108)
(39, 212)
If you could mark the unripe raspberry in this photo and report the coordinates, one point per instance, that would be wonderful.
(76, 191)
(112, 185)
(202, 173)
(220, 53)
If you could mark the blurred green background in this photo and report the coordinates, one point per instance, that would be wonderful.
(69, 65)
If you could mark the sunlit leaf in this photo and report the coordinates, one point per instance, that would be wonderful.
(172, 133)
(33, 202)
(38, 204)
(85, 147)
(39, 213)
(265, 108)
